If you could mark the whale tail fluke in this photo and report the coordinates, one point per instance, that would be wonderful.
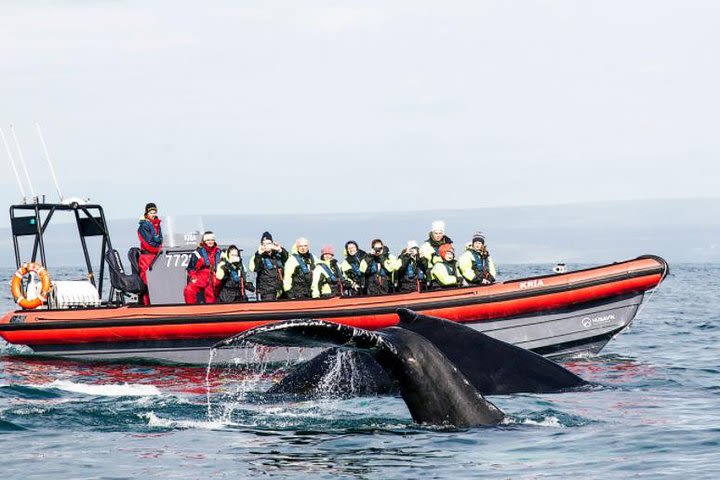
(493, 366)
(435, 391)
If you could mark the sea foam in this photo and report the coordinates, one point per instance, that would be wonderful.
(154, 421)
(106, 390)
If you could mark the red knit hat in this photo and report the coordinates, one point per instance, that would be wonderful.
(444, 249)
(327, 249)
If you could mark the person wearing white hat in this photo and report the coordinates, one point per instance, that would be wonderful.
(476, 265)
(298, 270)
(201, 271)
(436, 238)
(412, 274)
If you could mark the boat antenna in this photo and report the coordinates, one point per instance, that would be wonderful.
(22, 161)
(47, 157)
(170, 227)
(12, 163)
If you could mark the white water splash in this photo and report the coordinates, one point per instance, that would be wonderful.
(343, 374)
(552, 422)
(236, 393)
(154, 421)
(106, 390)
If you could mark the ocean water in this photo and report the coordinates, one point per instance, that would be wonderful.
(653, 414)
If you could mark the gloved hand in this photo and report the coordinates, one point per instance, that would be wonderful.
(351, 285)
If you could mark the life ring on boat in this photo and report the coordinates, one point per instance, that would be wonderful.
(17, 290)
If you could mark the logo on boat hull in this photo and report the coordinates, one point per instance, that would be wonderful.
(588, 322)
(531, 284)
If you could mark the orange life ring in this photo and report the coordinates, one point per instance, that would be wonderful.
(17, 290)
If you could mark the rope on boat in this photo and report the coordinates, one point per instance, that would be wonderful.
(646, 303)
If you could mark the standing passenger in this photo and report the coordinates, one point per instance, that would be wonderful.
(201, 271)
(151, 240)
(378, 267)
(475, 264)
(351, 268)
(268, 263)
(298, 274)
(430, 249)
(327, 280)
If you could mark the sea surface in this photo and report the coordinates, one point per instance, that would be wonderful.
(655, 413)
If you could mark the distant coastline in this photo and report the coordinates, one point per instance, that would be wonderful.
(680, 230)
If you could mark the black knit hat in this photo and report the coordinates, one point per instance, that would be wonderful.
(150, 206)
(266, 236)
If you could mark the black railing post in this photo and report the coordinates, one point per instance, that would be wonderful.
(91, 275)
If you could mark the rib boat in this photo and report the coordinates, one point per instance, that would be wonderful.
(576, 312)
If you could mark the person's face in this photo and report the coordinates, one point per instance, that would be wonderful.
(477, 245)
(449, 256)
(303, 247)
(233, 256)
(414, 251)
(377, 247)
(266, 245)
(437, 236)
(328, 256)
(210, 243)
(152, 214)
(352, 249)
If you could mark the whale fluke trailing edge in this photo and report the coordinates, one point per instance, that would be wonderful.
(440, 368)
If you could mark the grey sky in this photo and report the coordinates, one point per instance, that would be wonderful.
(269, 107)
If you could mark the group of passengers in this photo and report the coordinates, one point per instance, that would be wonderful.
(217, 276)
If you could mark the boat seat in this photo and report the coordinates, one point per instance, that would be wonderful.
(134, 258)
(121, 281)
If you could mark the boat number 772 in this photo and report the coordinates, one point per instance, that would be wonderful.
(178, 260)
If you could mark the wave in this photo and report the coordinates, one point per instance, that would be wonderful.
(548, 418)
(6, 426)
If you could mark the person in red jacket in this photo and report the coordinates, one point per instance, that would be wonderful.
(201, 271)
(151, 241)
